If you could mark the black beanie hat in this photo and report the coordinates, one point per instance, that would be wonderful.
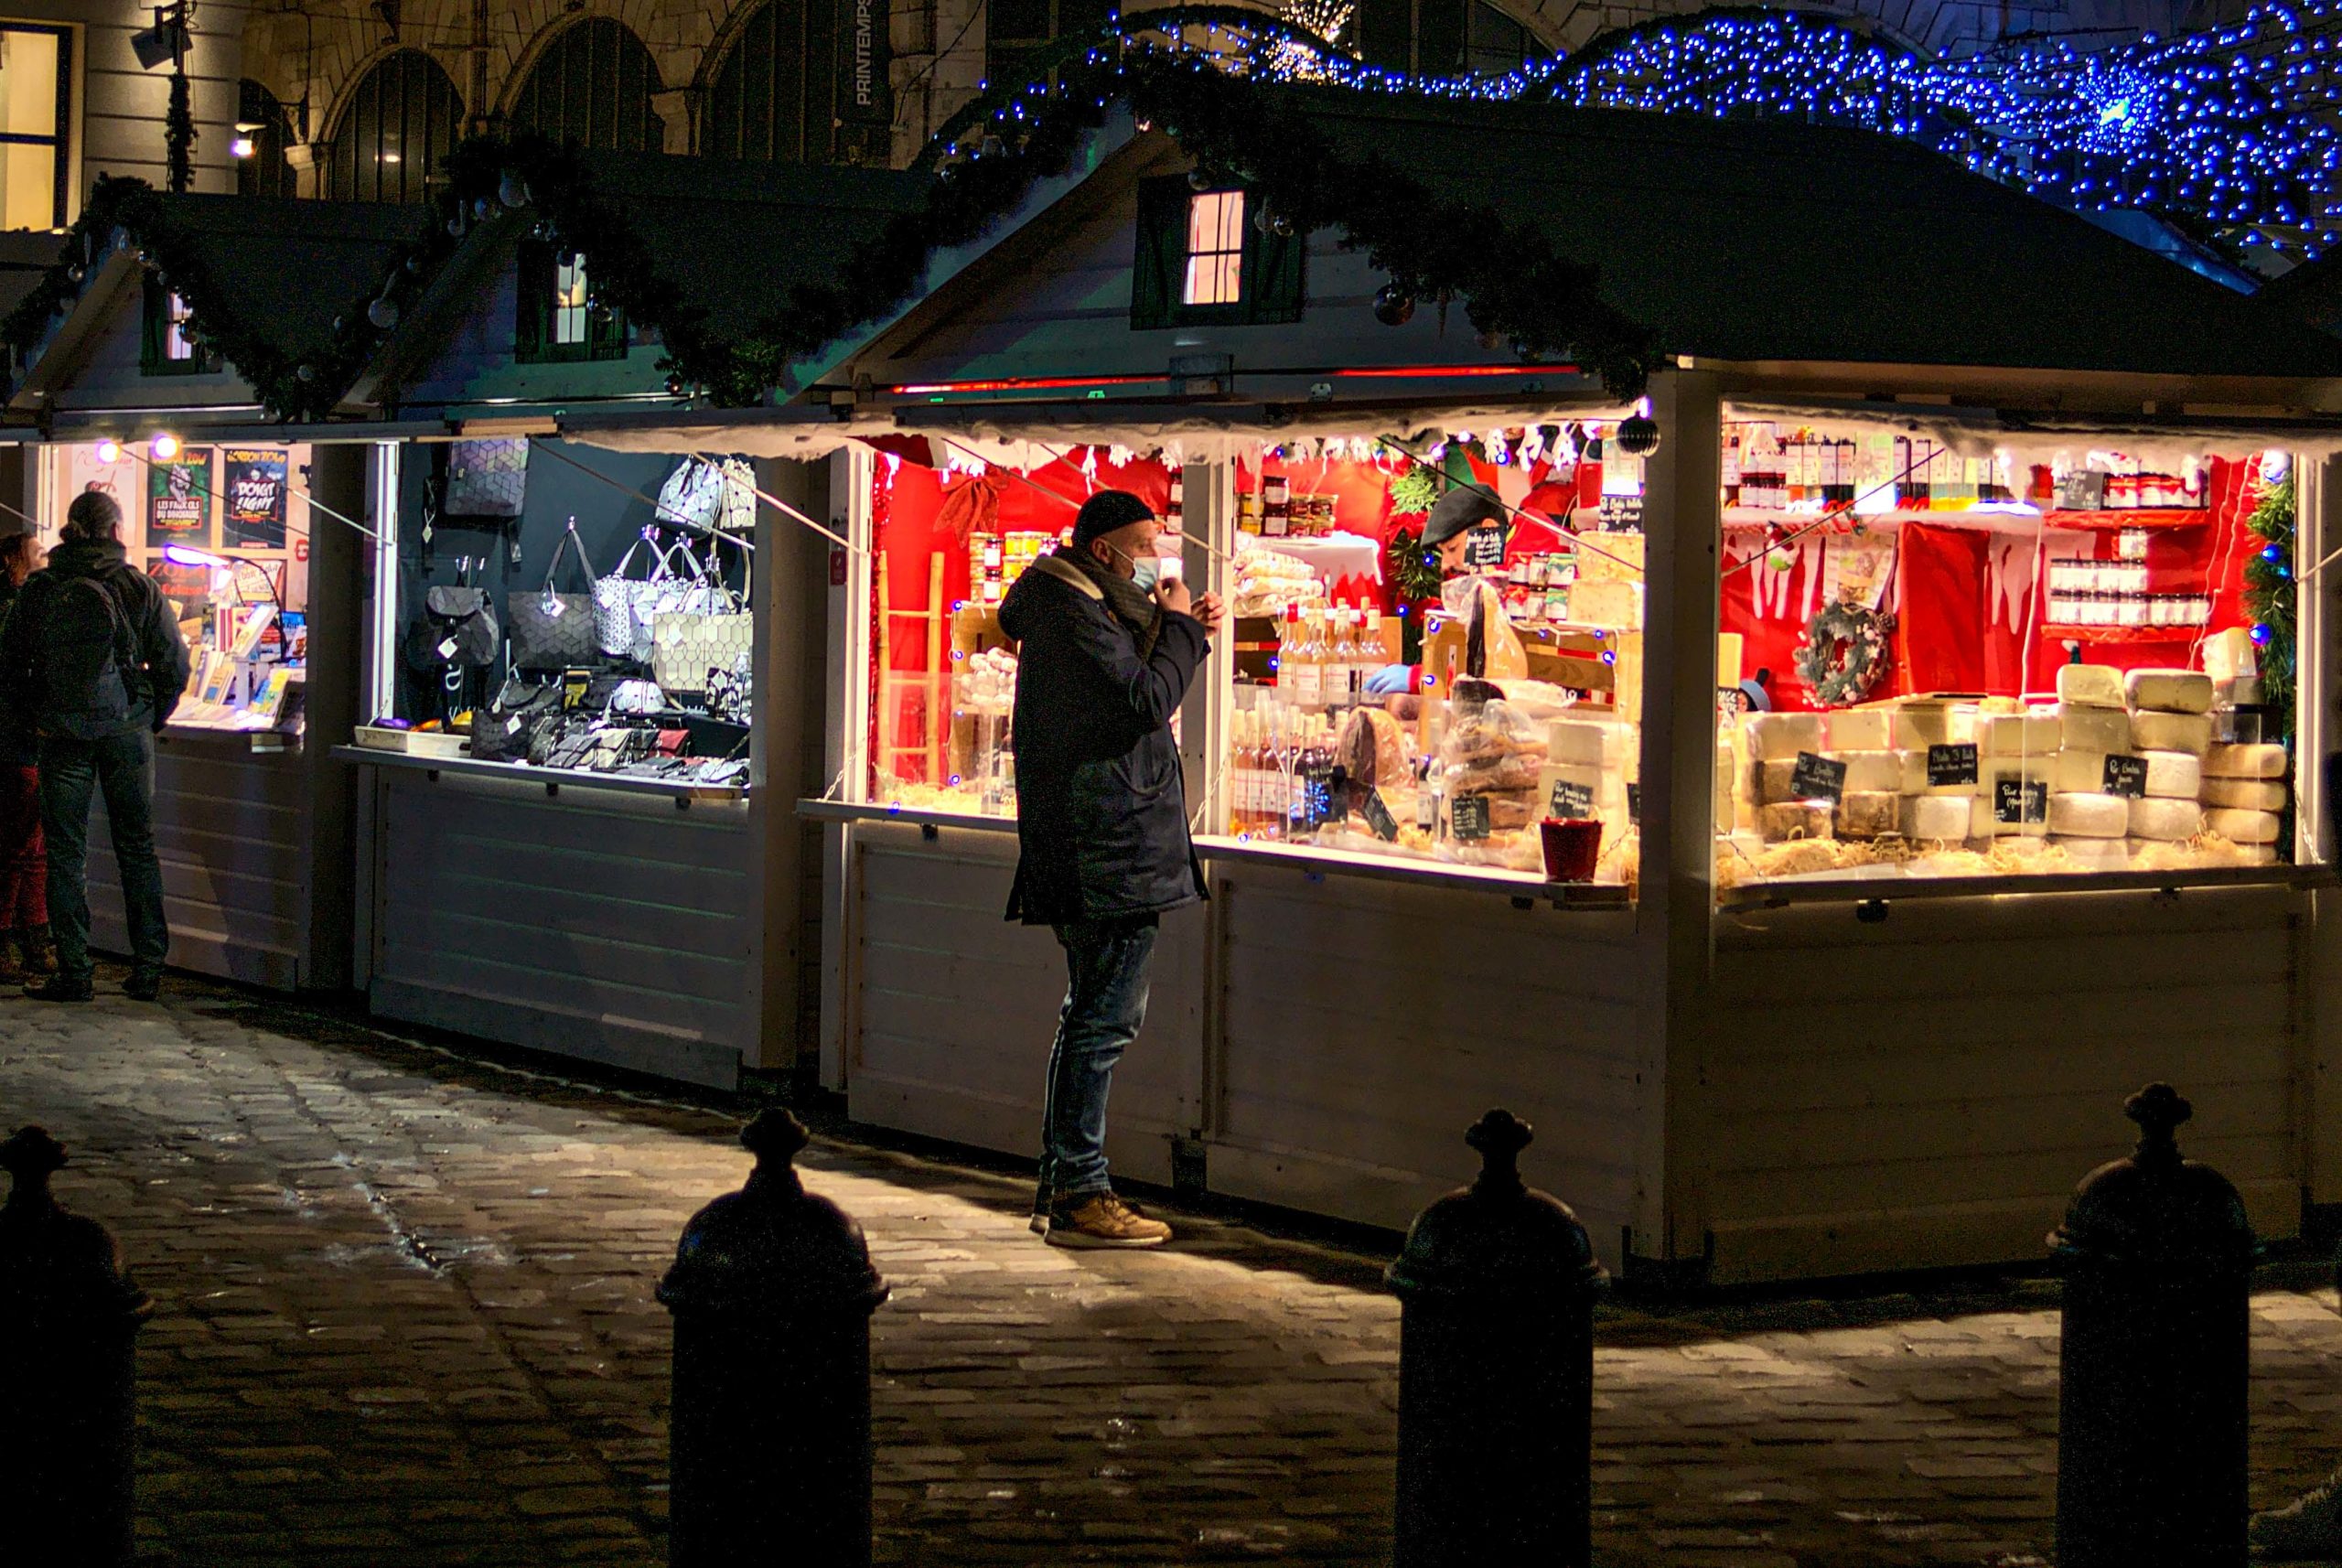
(1106, 511)
(1464, 506)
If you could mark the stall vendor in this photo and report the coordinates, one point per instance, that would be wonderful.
(1470, 533)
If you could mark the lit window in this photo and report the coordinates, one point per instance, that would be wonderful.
(175, 317)
(569, 300)
(1215, 249)
(36, 80)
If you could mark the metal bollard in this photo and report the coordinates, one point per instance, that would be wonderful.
(772, 1292)
(1497, 1284)
(2157, 1258)
(68, 1319)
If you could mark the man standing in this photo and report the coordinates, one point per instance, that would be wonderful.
(1105, 654)
(92, 658)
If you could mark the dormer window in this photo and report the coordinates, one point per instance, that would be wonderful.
(555, 316)
(1201, 259)
(166, 344)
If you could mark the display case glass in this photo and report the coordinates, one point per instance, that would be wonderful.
(224, 531)
(1951, 657)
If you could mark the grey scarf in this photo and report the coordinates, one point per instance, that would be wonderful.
(1133, 606)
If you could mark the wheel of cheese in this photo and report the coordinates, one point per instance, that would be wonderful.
(1930, 818)
(1862, 729)
(2089, 816)
(2169, 691)
(1778, 737)
(2166, 820)
(1773, 781)
(2017, 734)
(1587, 743)
(2156, 730)
(2244, 827)
(2073, 772)
(2246, 794)
(1920, 725)
(2177, 775)
(1869, 814)
(1879, 772)
(1795, 819)
(2093, 729)
(2096, 855)
(2089, 686)
(2266, 760)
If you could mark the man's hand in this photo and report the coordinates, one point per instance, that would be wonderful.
(1171, 593)
(1207, 610)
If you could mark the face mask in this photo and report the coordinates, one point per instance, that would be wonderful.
(1143, 572)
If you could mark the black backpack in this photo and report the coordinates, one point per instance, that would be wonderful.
(88, 662)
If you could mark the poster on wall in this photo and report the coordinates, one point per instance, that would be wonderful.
(253, 485)
(178, 498)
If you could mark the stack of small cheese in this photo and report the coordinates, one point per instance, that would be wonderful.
(2099, 715)
(2244, 789)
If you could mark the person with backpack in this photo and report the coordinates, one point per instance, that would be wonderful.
(26, 951)
(91, 657)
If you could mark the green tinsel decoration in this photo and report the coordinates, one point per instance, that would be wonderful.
(1414, 491)
(2271, 597)
(1414, 579)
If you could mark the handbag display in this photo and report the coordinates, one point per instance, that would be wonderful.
(692, 496)
(622, 604)
(486, 477)
(514, 727)
(687, 649)
(457, 629)
(554, 630)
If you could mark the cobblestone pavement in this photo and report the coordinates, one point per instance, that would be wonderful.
(406, 1318)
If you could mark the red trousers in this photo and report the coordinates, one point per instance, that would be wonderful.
(24, 861)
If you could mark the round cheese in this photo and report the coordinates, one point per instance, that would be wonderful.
(1862, 729)
(2267, 760)
(2154, 730)
(2246, 794)
(2089, 816)
(2169, 691)
(1869, 814)
(2093, 729)
(2080, 772)
(2176, 774)
(1879, 772)
(1930, 818)
(2089, 686)
(1795, 819)
(1778, 737)
(2244, 827)
(2097, 854)
(2166, 820)
(2018, 735)
(1585, 743)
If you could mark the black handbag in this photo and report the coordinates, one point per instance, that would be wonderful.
(551, 630)
(457, 628)
(513, 728)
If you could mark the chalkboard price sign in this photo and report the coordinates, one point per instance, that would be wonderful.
(1950, 765)
(1571, 803)
(1484, 546)
(2019, 800)
(1467, 819)
(1817, 778)
(1635, 804)
(1379, 818)
(2126, 776)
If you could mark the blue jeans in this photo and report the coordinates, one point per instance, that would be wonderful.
(121, 766)
(1106, 1002)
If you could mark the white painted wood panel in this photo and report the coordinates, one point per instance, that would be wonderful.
(952, 1008)
(1928, 1090)
(605, 926)
(1366, 1025)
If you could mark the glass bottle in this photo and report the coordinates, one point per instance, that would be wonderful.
(1301, 664)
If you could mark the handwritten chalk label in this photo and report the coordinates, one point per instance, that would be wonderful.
(1950, 765)
(2126, 776)
(1571, 803)
(1467, 819)
(2020, 801)
(1817, 778)
(1635, 804)
(1484, 546)
(1379, 818)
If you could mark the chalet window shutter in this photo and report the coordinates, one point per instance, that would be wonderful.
(533, 301)
(1160, 254)
(605, 338)
(1272, 277)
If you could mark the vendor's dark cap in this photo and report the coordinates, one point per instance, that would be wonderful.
(1460, 508)
(1106, 511)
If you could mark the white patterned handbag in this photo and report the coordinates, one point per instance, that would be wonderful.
(618, 603)
(686, 644)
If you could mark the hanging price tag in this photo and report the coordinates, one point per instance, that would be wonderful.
(1817, 778)
(1468, 818)
(1950, 765)
(2126, 776)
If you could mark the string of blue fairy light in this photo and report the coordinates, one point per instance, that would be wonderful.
(2232, 127)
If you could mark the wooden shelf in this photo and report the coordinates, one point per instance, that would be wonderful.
(2125, 633)
(2133, 517)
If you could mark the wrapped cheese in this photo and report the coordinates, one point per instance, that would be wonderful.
(2169, 692)
(2093, 729)
(2263, 761)
(1606, 602)
(2244, 827)
(1862, 729)
(1775, 736)
(1869, 814)
(2165, 819)
(2089, 686)
(1589, 743)
(2089, 816)
(2157, 730)
(2246, 794)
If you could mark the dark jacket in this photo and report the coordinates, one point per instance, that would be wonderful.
(19, 746)
(154, 689)
(1102, 811)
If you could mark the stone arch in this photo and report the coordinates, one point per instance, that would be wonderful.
(591, 83)
(397, 120)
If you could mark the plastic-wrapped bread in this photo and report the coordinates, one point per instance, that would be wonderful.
(2169, 691)
(2246, 794)
(1862, 729)
(2155, 730)
(2089, 816)
(2244, 827)
(2093, 729)
(1869, 814)
(1777, 738)
(2265, 760)
(2089, 686)
(2166, 820)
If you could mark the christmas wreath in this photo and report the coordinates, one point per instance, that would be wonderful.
(1843, 654)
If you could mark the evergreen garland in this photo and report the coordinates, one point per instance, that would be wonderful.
(2271, 597)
